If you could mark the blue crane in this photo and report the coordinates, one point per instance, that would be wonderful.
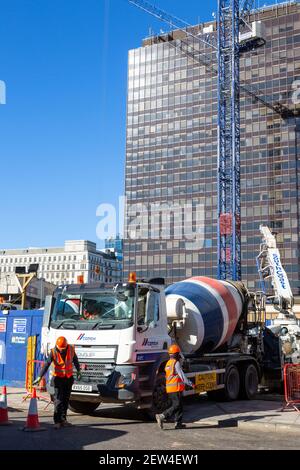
(231, 15)
(229, 199)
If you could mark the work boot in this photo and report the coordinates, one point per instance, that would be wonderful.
(180, 426)
(57, 425)
(160, 420)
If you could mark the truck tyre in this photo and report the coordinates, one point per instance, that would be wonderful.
(160, 400)
(82, 407)
(231, 390)
(232, 383)
(249, 382)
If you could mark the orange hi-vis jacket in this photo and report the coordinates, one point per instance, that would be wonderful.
(63, 368)
(173, 381)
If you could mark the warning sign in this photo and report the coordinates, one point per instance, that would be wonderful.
(19, 326)
(206, 382)
(2, 325)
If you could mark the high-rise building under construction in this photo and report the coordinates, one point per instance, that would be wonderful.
(171, 151)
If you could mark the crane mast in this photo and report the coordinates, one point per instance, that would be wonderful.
(229, 207)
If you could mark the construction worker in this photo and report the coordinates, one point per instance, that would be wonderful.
(63, 357)
(175, 385)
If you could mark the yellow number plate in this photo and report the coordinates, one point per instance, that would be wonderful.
(206, 382)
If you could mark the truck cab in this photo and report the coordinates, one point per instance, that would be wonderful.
(120, 335)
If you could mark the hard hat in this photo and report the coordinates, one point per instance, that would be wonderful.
(61, 342)
(174, 349)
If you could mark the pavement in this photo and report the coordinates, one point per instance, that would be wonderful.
(210, 425)
(261, 414)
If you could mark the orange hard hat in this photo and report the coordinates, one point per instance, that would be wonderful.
(174, 349)
(61, 342)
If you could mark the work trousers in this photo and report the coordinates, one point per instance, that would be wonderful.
(176, 409)
(62, 392)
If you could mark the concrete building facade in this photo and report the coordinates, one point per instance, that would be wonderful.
(171, 153)
(63, 265)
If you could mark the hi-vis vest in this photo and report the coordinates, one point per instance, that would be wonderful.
(173, 381)
(63, 368)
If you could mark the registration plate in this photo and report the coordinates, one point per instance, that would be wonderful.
(82, 388)
(206, 382)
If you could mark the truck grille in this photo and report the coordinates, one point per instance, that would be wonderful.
(95, 372)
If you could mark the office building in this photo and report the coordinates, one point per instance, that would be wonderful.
(76, 260)
(171, 153)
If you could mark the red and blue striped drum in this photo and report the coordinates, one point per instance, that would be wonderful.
(212, 310)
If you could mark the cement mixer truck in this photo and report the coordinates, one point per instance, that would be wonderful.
(122, 335)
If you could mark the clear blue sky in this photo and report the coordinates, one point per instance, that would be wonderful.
(62, 131)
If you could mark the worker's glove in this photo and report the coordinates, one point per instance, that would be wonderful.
(191, 386)
(79, 375)
(37, 381)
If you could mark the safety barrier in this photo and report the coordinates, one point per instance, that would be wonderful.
(33, 368)
(291, 378)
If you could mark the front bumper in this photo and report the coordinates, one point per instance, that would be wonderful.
(121, 386)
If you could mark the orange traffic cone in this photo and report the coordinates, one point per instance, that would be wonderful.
(4, 421)
(32, 423)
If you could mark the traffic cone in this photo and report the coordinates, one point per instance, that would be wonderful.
(4, 421)
(33, 423)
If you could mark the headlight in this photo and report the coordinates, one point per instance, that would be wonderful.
(125, 380)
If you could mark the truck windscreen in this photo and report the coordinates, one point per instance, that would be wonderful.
(101, 310)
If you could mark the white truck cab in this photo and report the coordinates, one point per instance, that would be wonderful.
(120, 336)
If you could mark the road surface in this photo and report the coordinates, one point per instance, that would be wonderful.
(120, 428)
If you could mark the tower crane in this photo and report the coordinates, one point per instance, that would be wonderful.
(226, 48)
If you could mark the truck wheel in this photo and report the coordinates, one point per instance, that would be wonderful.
(232, 387)
(160, 400)
(83, 407)
(249, 382)
(232, 384)
(231, 390)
